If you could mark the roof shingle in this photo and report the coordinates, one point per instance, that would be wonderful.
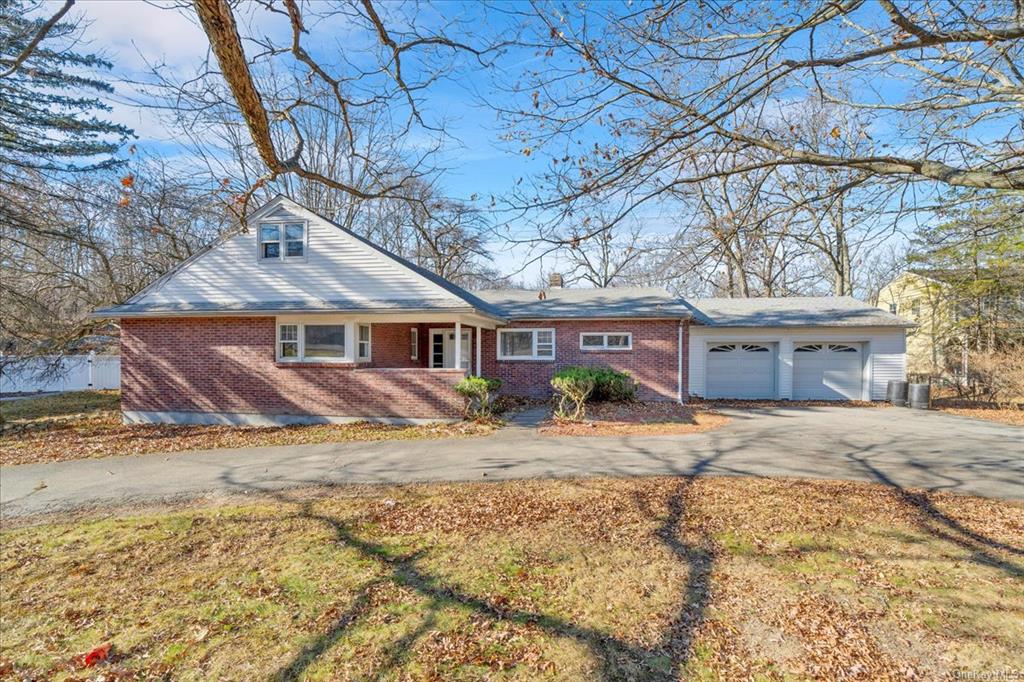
(792, 311)
(610, 303)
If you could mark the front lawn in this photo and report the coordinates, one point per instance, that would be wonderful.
(48, 409)
(664, 578)
(88, 424)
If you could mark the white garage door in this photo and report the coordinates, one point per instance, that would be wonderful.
(828, 371)
(740, 370)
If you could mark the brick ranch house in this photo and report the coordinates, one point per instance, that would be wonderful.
(298, 320)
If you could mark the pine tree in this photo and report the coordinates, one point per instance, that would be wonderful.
(977, 254)
(49, 97)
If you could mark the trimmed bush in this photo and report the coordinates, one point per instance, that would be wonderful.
(573, 385)
(612, 386)
(478, 393)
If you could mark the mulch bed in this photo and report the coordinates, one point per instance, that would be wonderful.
(638, 418)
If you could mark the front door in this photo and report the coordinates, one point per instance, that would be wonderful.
(442, 348)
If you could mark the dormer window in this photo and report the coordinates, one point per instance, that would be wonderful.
(282, 241)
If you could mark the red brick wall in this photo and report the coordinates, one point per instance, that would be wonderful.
(390, 346)
(227, 364)
(653, 361)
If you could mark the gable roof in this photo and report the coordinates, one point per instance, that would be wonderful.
(342, 272)
(609, 303)
(791, 311)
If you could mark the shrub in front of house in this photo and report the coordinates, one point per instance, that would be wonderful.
(612, 386)
(479, 394)
(575, 386)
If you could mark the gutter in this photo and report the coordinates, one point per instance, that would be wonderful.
(113, 313)
(679, 374)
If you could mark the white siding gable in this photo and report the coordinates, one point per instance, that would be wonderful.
(337, 267)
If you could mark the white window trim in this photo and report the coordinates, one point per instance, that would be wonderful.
(369, 342)
(534, 356)
(280, 223)
(351, 327)
(604, 346)
(414, 343)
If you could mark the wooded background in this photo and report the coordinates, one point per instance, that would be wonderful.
(780, 148)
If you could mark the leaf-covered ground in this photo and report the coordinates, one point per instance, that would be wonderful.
(1014, 416)
(638, 418)
(661, 578)
(88, 424)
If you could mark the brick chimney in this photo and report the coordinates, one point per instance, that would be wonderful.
(555, 280)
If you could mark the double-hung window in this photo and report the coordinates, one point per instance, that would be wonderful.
(282, 241)
(414, 343)
(526, 344)
(288, 341)
(363, 343)
(606, 341)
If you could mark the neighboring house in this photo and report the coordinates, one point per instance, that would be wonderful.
(919, 298)
(298, 320)
(930, 299)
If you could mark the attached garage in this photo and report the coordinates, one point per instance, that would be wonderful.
(741, 370)
(828, 348)
(828, 371)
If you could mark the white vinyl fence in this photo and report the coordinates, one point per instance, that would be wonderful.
(77, 373)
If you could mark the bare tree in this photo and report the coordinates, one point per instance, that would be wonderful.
(69, 245)
(607, 259)
(635, 102)
(389, 63)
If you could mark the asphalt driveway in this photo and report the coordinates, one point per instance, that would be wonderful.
(896, 447)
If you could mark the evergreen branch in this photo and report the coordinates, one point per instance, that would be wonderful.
(43, 30)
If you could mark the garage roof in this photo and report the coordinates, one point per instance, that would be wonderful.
(793, 311)
(561, 304)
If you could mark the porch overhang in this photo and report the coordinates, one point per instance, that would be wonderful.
(370, 312)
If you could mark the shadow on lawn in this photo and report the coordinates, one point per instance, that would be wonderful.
(617, 659)
(932, 520)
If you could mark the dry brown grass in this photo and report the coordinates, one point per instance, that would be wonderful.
(1002, 415)
(86, 425)
(662, 578)
(638, 418)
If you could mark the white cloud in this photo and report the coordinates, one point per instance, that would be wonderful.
(131, 32)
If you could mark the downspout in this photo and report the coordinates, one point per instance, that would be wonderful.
(679, 374)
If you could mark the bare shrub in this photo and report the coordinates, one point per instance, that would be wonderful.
(996, 376)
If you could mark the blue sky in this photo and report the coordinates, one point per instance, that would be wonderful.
(134, 35)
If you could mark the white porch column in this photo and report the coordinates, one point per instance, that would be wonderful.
(478, 368)
(458, 345)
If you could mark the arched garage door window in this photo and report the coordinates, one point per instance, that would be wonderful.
(826, 347)
(737, 347)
